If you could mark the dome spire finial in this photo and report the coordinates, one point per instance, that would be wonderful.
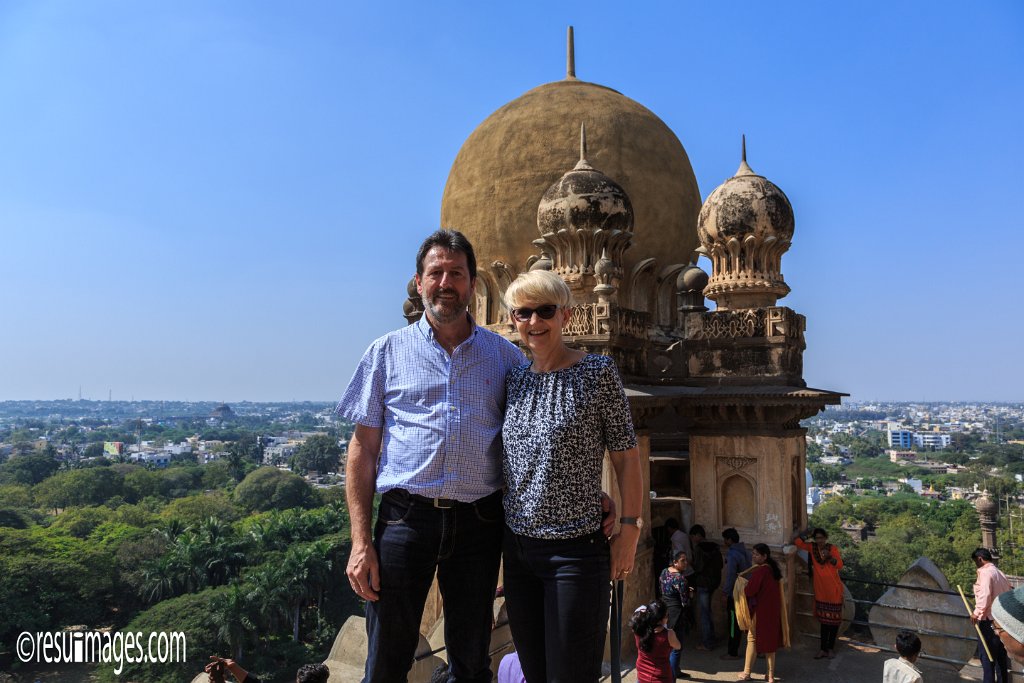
(744, 169)
(570, 57)
(583, 163)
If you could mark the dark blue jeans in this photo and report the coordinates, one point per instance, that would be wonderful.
(992, 672)
(707, 627)
(463, 544)
(557, 594)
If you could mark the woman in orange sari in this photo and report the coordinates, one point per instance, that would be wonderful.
(825, 562)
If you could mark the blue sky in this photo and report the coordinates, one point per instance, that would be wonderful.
(222, 200)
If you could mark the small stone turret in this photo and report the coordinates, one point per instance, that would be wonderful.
(745, 226)
(586, 223)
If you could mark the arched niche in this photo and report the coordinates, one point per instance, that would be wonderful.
(667, 304)
(642, 286)
(485, 308)
(738, 502)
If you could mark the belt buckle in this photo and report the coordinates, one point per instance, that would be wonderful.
(443, 503)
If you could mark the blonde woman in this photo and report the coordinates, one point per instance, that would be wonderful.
(564, 410)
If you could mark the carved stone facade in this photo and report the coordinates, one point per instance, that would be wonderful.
(738, 483)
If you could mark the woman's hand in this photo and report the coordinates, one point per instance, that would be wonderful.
(623, 551)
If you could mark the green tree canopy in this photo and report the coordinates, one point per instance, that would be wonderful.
(319, 453)
(29, 469)
(269, 488)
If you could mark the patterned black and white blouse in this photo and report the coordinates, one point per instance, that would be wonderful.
(557, 427)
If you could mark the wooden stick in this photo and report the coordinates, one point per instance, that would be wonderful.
(970, 613)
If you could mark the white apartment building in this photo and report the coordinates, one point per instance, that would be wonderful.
(932, 440)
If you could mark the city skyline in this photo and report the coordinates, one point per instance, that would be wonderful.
(222, 203)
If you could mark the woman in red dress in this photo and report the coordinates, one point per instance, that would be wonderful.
(764, 599)
(654, 641)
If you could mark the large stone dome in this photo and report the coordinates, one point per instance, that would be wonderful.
(519, 151)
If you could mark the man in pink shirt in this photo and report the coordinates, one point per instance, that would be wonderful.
(991, 583)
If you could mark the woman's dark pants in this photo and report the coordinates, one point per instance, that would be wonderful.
(557, 596)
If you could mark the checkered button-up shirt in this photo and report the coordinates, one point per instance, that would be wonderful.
(441, 415)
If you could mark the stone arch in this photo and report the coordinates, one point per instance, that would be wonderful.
(738, 502)
(666, 303)
(641, 286)
(484, 306)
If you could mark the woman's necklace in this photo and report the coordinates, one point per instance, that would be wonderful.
(822, 556)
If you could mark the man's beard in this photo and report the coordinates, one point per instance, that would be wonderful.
(447, 311)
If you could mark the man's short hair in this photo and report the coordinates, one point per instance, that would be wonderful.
(907, 643)
(983, 553)
(698, 530)
(671, 523)
(312, 673)
(731, 534)
(450, 240)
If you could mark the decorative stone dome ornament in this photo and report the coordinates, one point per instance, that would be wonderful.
(746, 225)
(586, 223)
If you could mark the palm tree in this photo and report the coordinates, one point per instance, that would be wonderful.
(232, 615)
(159, 580)
(321, 568)
(265, 591)
(295, 573)
(170, 531)
(188, 555)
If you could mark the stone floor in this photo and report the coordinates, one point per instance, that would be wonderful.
(852, 664)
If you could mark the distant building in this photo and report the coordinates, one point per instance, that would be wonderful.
(932, 440)
(178, 448)
(901, 439)
(813, 492)
(206, 457)
(858, 531)
(915, 484)
(223, 412)
(159, 460)
(901, 456)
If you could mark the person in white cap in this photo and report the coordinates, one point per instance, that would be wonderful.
(1008, 622)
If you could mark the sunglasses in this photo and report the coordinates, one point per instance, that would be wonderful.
(545, 312)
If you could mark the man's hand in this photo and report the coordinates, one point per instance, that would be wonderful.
(364, 572)
(607, 515)
(363, 568)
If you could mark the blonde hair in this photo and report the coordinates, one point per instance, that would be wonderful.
(538, 287)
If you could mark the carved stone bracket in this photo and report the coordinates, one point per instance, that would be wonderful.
(738, 462)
